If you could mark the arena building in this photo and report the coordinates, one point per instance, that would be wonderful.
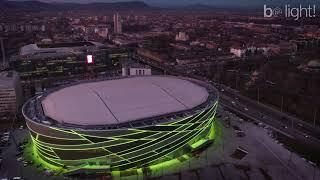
(120, 124)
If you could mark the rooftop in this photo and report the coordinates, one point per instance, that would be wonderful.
(131, 64)
(61, 48)
(122, 100)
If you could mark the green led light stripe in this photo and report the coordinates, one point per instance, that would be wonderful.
(32, 135)
(159, 145)
(55, 153)
(104, 148)
(73, 132)
(63, 130)
(49, 159)
(199, 114)
(191, 118)
(170, 150)
(82, 146)
(125, 135)
(51, 136)
(206, 116)
(42, 147)
(96, 148)
(46, 154)
(209, 112)
(83, 137)
(154, 140)
(85, 159)
(87, 133)
(159, 134)
(36, 152)
(167, 140)
(104, 156)
(87, 148)
(191, 136)
(174, 144)
(31, 129)
(43, 152)
(168, 153)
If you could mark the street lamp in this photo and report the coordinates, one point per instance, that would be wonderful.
(314, 117)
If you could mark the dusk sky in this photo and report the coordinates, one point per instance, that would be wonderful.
(208, 2)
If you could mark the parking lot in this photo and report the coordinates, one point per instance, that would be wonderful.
(14, 162)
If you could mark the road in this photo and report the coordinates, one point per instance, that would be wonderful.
(278, 121)
(269, 112)
(290, 126)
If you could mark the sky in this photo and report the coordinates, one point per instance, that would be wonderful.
(169, 3)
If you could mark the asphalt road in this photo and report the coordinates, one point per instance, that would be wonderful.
(289, 126)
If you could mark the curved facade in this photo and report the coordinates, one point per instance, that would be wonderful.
(147, 142)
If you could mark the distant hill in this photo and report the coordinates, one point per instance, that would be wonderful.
(8, 6)
(198, 7)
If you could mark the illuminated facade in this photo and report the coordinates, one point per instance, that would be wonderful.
(121, 147)
(62, 65)
(37, 61)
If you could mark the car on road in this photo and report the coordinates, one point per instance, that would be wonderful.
(240, 120)
(306, 135)
(19, 159)
(17, 178)
(25, 163)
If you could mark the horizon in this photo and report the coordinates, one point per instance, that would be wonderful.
(181, 3)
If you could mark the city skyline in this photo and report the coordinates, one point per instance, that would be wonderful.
(181, 3)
